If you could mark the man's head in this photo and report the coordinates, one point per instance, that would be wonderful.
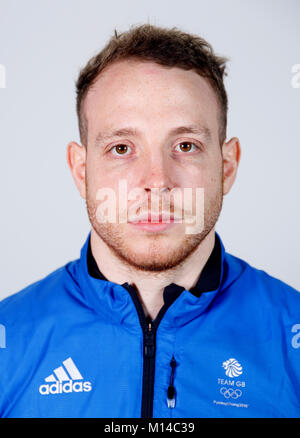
(148, 84)
(166, 47)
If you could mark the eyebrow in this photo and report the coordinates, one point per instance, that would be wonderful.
(128, 131)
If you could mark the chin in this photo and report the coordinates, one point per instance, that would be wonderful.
(146, 251)
(157, 253)
(152, 262)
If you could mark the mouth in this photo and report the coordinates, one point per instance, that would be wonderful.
(154, 222)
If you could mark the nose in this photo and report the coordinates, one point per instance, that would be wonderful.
(157, 173)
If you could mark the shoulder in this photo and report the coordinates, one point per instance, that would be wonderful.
(39, 298)
(264, 287)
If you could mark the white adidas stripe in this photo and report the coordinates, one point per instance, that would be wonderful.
(61, 374)
(72, 369)
(50, 378)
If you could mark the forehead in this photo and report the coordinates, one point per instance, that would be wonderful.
(134, 90)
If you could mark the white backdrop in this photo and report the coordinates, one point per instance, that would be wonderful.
(42, 47)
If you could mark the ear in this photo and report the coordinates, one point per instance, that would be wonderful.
(231, 153)
(76, 158)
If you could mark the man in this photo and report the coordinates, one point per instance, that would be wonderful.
(155, 319)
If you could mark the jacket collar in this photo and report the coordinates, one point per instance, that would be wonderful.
(207, 281)
(114, 303)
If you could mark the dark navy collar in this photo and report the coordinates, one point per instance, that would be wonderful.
(208, 280)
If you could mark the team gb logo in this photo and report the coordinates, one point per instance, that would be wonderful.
(232, 368)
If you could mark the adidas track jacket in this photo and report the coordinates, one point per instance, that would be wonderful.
(76, 346)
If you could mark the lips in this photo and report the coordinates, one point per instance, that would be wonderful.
(155, 224)
(154, 218)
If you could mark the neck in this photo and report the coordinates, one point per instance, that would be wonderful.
(150, 285)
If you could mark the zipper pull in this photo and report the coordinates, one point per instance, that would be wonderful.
(171, 390)
(149, 342)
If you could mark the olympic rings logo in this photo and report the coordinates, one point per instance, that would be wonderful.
(229, 392)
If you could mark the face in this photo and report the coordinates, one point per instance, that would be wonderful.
(147, 104)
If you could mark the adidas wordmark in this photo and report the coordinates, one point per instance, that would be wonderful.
(64, 380)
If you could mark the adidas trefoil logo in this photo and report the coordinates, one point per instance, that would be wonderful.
(65, 379)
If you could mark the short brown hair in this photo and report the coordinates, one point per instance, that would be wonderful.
(167, 47)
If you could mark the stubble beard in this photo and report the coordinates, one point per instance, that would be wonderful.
(153, 252)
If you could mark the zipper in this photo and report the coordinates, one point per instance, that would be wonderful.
(149, 334)
(149, 348)
(171, 393)
(148, 371)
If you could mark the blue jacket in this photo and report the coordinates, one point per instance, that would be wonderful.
(76, 346)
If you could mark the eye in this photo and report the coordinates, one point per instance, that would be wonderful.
(186, 146)
(120, 149)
